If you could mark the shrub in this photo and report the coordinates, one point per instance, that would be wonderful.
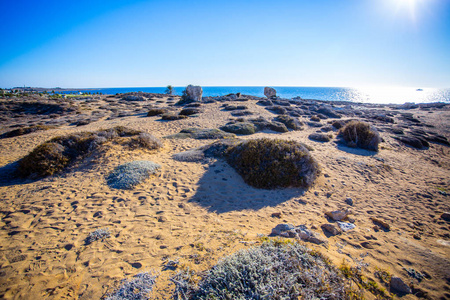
(245, 128)
(138, 288)
(274, 270)
(320, 137)
(185, 99)
(189, 111)
(266, 163)
(172, 117)
(58, 153)
(361, 134)
(25, 130)
(146, 140)
(156, 112)
(99, 234)
(128, 175)
(290, 122)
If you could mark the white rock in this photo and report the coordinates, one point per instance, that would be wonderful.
(194, 92)
(346, 226)
(338, 215)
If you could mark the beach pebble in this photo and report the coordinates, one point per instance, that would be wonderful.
(345, 226)
(349, 201)
(397, 284)
(332, 229)
(338, 215)
(276, 215)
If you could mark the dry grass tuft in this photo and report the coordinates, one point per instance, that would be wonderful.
(361, 135)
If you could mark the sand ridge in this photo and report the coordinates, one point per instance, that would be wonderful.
(200, 212)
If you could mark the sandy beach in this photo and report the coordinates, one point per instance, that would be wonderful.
(199, 212)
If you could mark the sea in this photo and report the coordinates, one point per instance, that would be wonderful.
(385, 95)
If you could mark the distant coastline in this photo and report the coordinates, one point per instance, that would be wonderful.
(360, 95)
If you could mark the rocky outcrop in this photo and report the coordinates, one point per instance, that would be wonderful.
(194, 92)
(270, 92)
(301, 232)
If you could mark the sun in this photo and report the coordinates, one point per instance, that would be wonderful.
(411, 7)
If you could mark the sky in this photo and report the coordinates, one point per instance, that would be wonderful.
(129, 43)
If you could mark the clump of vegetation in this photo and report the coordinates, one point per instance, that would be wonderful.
(185, 99)
(361, 135)
(129, 175)
(290, 122)
(270, 271)
(172, 117)
(169, 90)
(198, 133)
(58, 153)
(145, 140)
(244, 128)
(99, 234)
(267, 163)
(156, 112)
(320, 137)
(25, 130)
(189, 111)
(138, 288)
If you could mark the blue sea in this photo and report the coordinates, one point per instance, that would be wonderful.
(364, 95)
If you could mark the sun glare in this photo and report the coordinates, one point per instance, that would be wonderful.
(410, 6)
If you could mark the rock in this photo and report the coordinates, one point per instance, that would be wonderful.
(194, 92)
(408, 105)
(245, 128)
(349, 201)
(305, 234)
(446, 216)
(415, 142)
(345, 226)
(280, 228)
(397, 284)
(270, 92)
(338, 215)
(331, 229)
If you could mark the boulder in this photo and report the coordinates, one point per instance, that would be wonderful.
(270, 92)
(338, 215)
(397, 284)
(280, 228)
(194, 92)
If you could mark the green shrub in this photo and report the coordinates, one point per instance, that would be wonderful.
(270, 271)
(156, 112)
(290, 122)
(267, 163)
(361, 135)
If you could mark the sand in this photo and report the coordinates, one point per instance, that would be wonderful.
(197, 213)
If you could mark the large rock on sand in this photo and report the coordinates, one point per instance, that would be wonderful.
(270, 92)
(194, 92)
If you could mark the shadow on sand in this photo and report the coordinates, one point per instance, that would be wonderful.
(9, 176)
(222, 190)
(357, 151)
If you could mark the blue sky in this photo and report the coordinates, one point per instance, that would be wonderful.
(119, 43)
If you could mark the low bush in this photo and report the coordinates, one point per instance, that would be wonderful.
(172, 117)
(25, 130)
(156, 112)
(274, 270)
(145, 140)
(189, 111)
(129, 175)
(244, 128)
(320, 137)
(137, 288)
(58, 153)
(290, 122)
(267, 163)
(361, 135)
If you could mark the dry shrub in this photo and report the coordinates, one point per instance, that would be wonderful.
(268, 164)
(58, 153)
(146, 140)
(274, 270)
(361, 135)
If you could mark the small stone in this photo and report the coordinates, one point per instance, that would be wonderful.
(346, 226)
(162, 219)
(417, 236)
(349, 201)
(316, 193)
(305, 234)
(376, 228)
(270, 92)
(332, 229)
(397, 284)
(446, 216)
(338, 215)
(381, 223)
(329, 194)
